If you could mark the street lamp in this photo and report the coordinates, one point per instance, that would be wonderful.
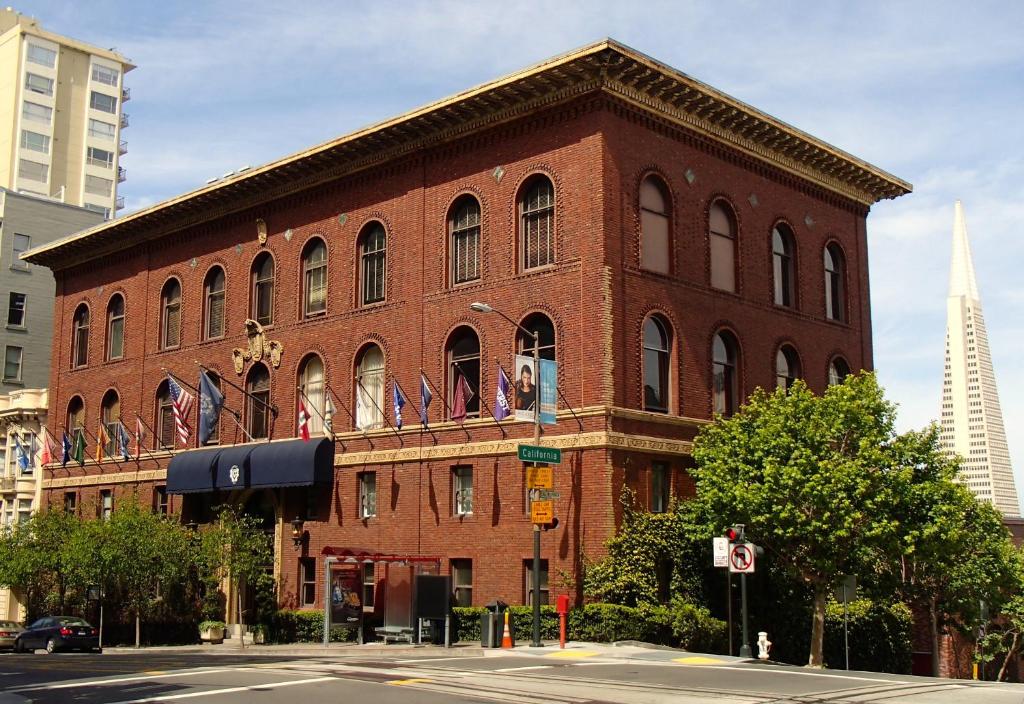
(480, 307)
(297, 534)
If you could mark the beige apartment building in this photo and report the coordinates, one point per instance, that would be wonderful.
(61, 116)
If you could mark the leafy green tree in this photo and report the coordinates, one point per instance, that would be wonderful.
(35, 560)
(810, 476)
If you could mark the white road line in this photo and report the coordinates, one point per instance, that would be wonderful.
(463, 657)
(119, 680)
(520, 669)
(227, 690)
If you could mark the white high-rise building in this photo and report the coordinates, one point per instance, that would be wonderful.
(972, 421)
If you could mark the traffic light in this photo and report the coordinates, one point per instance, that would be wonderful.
(550, 526)
(734, 533)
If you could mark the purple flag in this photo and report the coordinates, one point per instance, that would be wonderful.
(501, 404)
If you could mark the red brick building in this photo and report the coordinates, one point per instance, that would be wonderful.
(674, 247)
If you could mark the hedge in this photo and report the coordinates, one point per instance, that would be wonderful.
(880, 636)
(304, 627)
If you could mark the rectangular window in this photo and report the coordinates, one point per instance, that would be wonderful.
(24, 511)
(308, 567)
(660, 487)
(70, 502)
(103, 102)
(107, 76)
(35, 142)
(462, 582)
(41, 55)
(38, 84)
(367, 494)
(98, 186)
(543, 582)
(22, 243)
(466, 254)
(16, 310)
(33, 112)
(106, 504)
(160, 504)
(369, 585)
(99, 157)
(12, 363)
(462, 490)
(32, 170)
(98, 128)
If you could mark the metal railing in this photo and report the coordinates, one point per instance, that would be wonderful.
(119, 203)
(122, 147)
(124, 120)
(122, 174)
(126, 95)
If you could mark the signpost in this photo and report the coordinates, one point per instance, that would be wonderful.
(535, 453)
(720, 549)
(845, 593)
(741, 558)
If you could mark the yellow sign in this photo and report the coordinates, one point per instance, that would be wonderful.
(540, 478)
(542, 511)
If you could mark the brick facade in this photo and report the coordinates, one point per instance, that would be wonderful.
(595, 149)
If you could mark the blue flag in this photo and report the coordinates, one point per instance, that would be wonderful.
(502, 408)
(425, 398)
(211, 400)
(124, 440)
(23, 461)
(399, 403)
(65, 443)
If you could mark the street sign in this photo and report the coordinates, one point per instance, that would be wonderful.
(542, 511)
(540, 478)
(547, 494)
(720, 549)
(535, 453)
(741, 558)
(846, 590)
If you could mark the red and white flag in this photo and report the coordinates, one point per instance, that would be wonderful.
(181, 407)
(140, 436)
(46, 454)
(303, 421)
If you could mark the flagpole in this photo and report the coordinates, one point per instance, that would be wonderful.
(407, 397)
(71, 437)
(47, 433)
(155, 438)
(383, 415)
(98, 445)
(270, 407)
(569, 408)
(345, 408)
(443, 401)
(480, 396)
(138, 455)
(309, 404)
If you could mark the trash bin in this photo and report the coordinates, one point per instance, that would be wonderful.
(492, 624)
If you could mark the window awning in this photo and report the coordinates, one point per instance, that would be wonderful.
(252, 465)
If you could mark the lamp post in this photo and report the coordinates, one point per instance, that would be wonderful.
(485, 308)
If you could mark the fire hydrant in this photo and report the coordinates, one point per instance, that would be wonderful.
(763, 645)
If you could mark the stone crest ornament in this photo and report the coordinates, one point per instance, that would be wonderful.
(288, 235)
(343, 218)
(234, 473)
(258, 347)
(498, 173)
(261, 231)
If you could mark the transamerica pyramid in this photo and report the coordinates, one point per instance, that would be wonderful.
(972, 421)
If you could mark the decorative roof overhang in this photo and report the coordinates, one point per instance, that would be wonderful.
(603, 67)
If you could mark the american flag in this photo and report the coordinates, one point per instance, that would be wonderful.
(181, 401)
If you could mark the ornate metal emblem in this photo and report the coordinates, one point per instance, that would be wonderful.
(234, 473)
(261, 231)
(258, 347)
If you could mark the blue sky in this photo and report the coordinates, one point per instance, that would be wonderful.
(930, 91)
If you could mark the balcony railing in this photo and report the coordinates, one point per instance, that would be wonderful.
(126, 95)
(7, 484)
(124, 120)
(122, 147)
(122, 174)
(119, 203)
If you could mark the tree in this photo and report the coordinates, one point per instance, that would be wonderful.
(35, 560)
(810, 476)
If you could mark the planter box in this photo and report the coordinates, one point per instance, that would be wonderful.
(212, 635)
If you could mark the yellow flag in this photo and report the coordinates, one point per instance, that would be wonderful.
(102, 438)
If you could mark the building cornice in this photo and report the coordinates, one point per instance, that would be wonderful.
(603, 67)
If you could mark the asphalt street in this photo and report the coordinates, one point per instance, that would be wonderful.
(579, 675)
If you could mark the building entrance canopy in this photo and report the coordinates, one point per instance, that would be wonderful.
(261, 465)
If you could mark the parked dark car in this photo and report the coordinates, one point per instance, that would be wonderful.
(58, 633)
(9, 630)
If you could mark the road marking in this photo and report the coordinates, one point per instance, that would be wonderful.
(227, 690)
(697, 660)
(573, 654)
(420, 660)
(119, 680)
(413, 680)
(520, 669)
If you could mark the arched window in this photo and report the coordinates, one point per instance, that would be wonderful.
(261, 308)
(75, 419)
(166, 433)
(314, 268)
(110, 416)
(170, 314)
(115, 327)
(464, 234)
(835, 275)
(655, 227)
(313, 391)
(369, 389)
(787, 367)
(80, 337)
(657, 351)
(373, 263)
(537, 223)
(213, 306)
(541, 324)
(722, 237)
(257, 415)
(463, 352)
(838, 370)
(724, 380)
(783, 269)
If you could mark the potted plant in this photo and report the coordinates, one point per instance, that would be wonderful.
(211, 631)
(259, 634)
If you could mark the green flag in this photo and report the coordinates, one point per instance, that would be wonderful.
(79, 451)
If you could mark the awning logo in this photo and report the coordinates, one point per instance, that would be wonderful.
(234, 473)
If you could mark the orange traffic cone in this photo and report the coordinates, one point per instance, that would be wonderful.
(506, 637)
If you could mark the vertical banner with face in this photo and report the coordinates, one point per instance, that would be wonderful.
(525, 388)
(548, 391)
(346, 599)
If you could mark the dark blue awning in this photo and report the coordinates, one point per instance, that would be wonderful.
(192, 471)
(232, 467)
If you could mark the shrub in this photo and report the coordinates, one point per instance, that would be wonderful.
(304, 627)
(879, 636)
(694, 629)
